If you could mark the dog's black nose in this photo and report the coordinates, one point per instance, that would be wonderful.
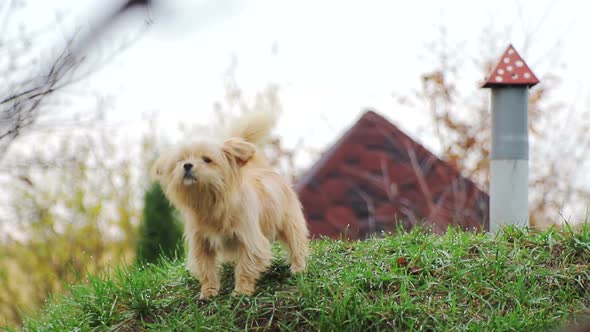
(187, 167)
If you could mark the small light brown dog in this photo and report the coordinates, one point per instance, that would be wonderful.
(234, 205)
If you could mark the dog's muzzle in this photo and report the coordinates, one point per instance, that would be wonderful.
(188, 178)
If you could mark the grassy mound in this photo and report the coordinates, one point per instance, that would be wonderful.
(519, 280)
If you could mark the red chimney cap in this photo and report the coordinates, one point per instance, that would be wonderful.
(511, 70)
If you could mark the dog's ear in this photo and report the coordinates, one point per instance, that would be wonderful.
(239, 149)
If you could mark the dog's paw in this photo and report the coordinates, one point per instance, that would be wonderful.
(297, 268)
(243, 291)
(238, 294)
(208, 293)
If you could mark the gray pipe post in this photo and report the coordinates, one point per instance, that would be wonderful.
(509, 81)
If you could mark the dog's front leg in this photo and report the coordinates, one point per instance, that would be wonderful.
(254, 257)
(202, 264)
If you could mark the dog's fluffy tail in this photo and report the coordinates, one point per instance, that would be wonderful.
(254, 126)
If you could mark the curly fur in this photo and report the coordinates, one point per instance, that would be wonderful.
(234, 205)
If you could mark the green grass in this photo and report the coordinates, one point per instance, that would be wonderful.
(519, 280)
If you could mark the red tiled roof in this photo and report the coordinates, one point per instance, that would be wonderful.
(376, 178)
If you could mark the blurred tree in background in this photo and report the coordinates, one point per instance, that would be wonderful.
(69, 202)
(30, 83)
(72, 212)
(462, 122)
(160, 231)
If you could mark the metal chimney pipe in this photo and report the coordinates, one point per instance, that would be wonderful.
(509, 165)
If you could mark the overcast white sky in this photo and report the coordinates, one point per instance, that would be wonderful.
(334, 57)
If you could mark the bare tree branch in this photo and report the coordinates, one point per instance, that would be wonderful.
(20, 106)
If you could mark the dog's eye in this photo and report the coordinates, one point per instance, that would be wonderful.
(207, 159)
